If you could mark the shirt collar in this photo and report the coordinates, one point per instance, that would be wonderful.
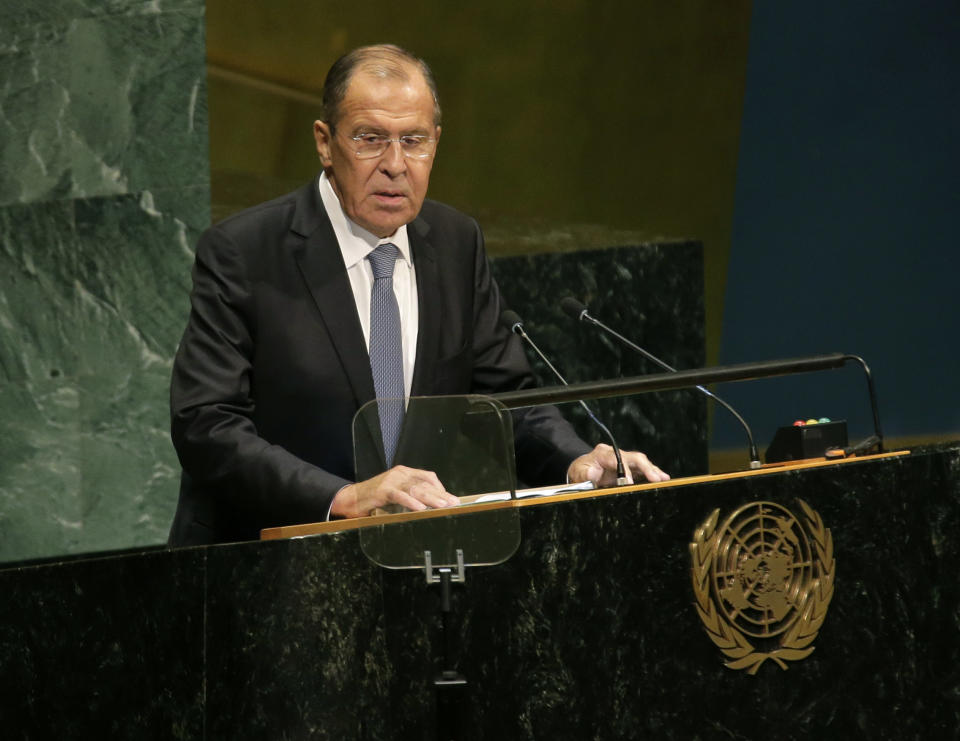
(355, 241)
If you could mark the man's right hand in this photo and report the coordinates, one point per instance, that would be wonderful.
(409, 487)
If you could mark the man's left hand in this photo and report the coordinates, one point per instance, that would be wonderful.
(600, 467)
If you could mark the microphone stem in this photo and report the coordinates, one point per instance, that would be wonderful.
(519, 330)
(754, 453)
(621, 474)
(878, 433)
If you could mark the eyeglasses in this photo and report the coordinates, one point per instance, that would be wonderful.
(414, 146)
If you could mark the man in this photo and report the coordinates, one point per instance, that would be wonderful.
(293, 324)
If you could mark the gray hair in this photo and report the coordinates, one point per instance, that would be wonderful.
(380, 60)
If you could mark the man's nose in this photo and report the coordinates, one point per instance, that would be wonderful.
(392, 161)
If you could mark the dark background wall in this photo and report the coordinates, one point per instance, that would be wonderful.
(845, 230)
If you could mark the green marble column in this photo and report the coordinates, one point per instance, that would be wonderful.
(104, 187)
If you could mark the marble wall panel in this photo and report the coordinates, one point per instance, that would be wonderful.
(18, 19)
(93, 300)
(315, 668)
(101, 104)
(104, 648)
(104, 188)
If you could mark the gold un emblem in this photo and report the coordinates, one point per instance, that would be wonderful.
(763, 582)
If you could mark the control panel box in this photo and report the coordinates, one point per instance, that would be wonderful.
(806, 441)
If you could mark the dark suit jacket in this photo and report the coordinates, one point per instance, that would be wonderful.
(273, 366)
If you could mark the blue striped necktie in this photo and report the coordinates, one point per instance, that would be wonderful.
(386, 347)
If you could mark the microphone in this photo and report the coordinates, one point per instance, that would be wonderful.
(576, 310)
(512, 321)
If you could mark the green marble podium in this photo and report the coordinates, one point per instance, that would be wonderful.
(588, 631)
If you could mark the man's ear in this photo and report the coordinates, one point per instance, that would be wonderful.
(323, 135)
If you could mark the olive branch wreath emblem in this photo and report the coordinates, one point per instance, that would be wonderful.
(811, 603)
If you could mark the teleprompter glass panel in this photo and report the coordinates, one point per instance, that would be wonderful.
(467, 441)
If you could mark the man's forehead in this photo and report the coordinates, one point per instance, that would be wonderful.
(390, 97)
(400, 69)
(397, 76)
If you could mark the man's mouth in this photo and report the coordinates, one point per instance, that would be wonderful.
(389, 196)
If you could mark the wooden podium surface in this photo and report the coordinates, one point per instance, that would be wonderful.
(334, 526)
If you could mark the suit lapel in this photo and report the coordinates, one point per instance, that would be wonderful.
(321, 265)
(428, 300)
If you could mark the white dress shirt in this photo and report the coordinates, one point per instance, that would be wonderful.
(355, 244)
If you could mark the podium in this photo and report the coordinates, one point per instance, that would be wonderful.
(589, 630)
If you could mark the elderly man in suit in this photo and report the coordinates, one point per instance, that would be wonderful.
(353, 287)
